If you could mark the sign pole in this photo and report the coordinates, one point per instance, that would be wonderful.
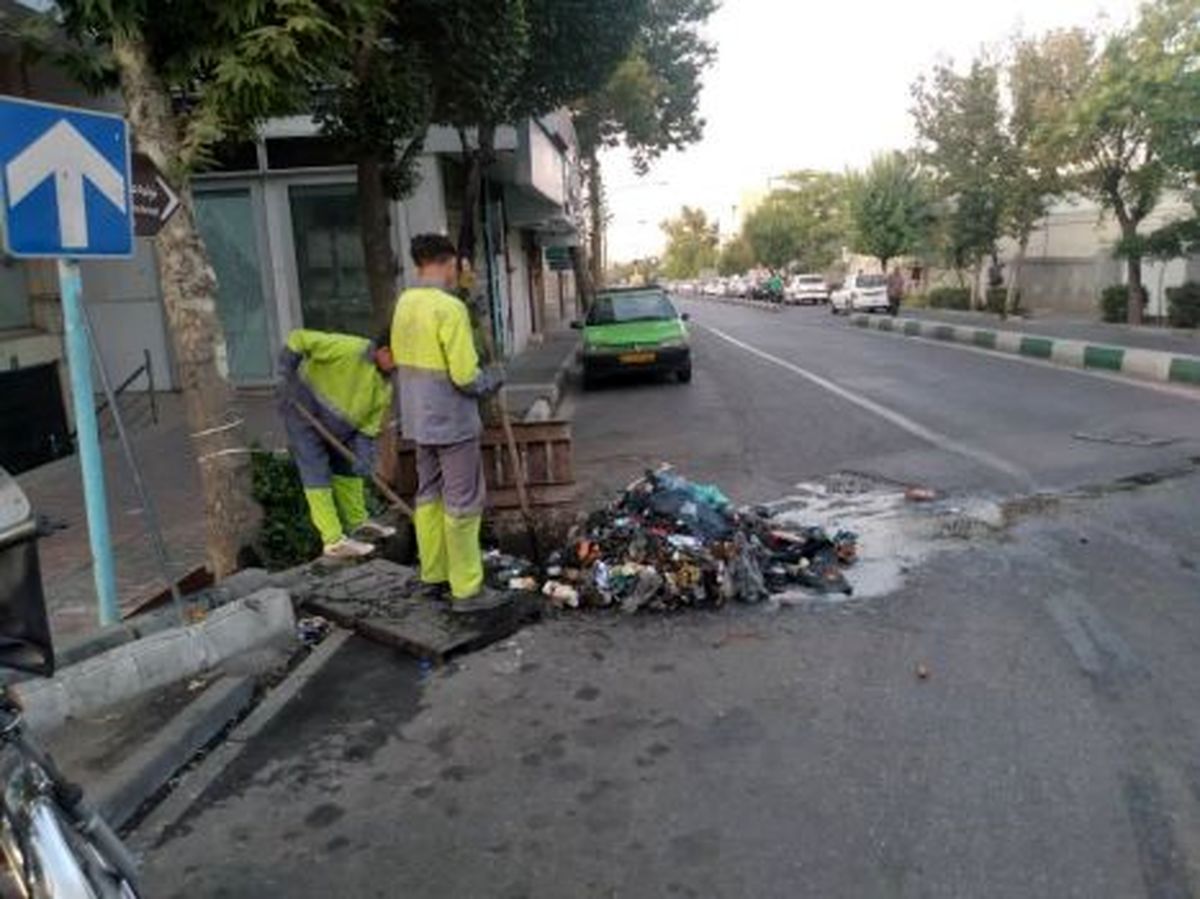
(91, 463)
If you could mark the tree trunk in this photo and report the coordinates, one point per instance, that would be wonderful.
(375, 227)
(585, 289)
(1137, 292)
(595, 188)
(1014, 277)
(189, 290)
(976, 276)
(477, 162)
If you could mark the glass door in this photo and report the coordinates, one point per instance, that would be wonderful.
(226, 222)
(330, 267)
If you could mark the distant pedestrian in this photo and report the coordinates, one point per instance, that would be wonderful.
(440, 385)
(895, 290)
(345, 383)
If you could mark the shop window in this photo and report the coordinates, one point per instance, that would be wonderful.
(329, 259)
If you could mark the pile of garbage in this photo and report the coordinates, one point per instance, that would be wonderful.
(667, 543)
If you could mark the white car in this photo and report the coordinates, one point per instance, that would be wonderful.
(860, 293)
(807, 289)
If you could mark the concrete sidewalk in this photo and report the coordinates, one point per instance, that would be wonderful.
(536, 376)
(1146, 337)
(173, 479)
(535, 380)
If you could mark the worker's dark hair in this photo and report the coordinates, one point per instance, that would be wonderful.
(383, 339)
(427, 248)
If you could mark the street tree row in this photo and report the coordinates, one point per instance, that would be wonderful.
(1114, 117)
(376, 74)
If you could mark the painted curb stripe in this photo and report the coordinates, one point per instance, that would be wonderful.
(1138, 363)
(985, 339)
(1038, 347)
(1106, 357)
(1185, 370)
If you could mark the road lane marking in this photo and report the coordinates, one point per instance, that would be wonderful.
(941, 441)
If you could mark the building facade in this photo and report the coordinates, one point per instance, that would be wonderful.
(279, 217)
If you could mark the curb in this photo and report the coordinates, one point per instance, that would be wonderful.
(196, 782)
(1146, 365)
(131, 669)
(123, 790)
(547, 394)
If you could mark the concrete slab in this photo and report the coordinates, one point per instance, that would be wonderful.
(376, 600)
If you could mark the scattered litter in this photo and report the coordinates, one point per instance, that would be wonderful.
(312, 630)
(561, 594)
(920, 495)
(196, 683)
(922, 671)
(667, 543)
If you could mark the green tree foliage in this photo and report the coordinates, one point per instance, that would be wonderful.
(691, 244)
(736, 257)
(1175, 122)
(962, 142)
(891, 209)
(1115, 141)
(651, 100)
(233, 63)
(192, 75)
(494, 62)
(375, 100)
(1045, 75)
(805, 223)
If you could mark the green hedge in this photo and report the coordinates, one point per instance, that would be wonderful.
(997, 298)
(1114, 303)
(1183, 309)
(287, 536)
(950, 298)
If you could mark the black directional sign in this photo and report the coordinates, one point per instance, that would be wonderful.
(154, 202)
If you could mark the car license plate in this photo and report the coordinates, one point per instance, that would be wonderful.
(636, 358)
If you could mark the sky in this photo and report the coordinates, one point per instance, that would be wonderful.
(817, 85)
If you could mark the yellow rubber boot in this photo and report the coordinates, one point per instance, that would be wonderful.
(464, 555)
(351, 500)
(324, 514)
(429, 519)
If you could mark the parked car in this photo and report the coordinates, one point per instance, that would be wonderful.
(807, 289)
(860, 293)
(634, 330)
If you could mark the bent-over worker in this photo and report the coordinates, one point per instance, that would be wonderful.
(344, 381)
(440, 385)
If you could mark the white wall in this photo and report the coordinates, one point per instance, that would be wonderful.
(123, 298)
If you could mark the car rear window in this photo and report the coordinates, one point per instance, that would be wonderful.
(810, 279)
(872, 281)
(612, 309)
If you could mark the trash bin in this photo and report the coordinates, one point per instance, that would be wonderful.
(24, 630)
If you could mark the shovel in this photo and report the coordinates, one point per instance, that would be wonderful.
(346, 453)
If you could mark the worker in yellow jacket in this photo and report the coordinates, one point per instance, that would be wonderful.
(345, 382)
(440, 383)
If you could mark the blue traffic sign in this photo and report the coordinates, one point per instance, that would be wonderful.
(65, 181)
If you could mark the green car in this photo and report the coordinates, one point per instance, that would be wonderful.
(634, 330)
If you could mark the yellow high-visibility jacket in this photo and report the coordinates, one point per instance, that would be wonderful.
(340, 370)
(437, 366)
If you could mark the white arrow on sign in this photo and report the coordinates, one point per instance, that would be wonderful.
(65, 154)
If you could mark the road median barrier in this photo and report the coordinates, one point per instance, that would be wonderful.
(1143, 364)
(737, 301)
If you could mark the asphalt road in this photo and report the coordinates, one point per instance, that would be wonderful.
(1052, 751)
